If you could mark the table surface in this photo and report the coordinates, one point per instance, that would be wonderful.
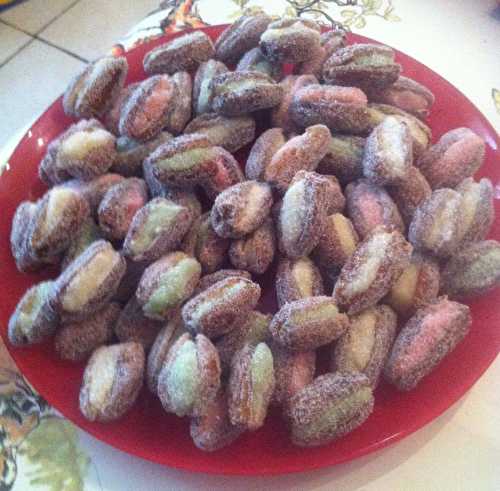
(460, 450)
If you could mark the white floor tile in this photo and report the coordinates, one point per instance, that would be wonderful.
(91, 27)
(29, 82)
(33, 15)
(10, 41)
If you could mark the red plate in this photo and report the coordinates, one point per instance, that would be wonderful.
(146, 431)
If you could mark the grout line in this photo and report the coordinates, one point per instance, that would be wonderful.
(38, 38)
(49, 43)
(60, 14)
(17, 51)
(17, 28)
(64, 50)
(35, 35)
(7, 23)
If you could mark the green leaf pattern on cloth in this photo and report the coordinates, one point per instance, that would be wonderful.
(495, 94)
(244, 8)
(356, 16)
(55, 460)
(32, 433)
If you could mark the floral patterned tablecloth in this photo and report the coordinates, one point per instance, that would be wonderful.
(40, 450)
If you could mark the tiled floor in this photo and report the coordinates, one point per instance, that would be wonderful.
(43, 43)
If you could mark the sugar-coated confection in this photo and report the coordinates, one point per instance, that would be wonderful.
(251, 386)
(217, 310)
(431, 334)
(112, 381)
(371, 271)
(189, 379)
(331, 406)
